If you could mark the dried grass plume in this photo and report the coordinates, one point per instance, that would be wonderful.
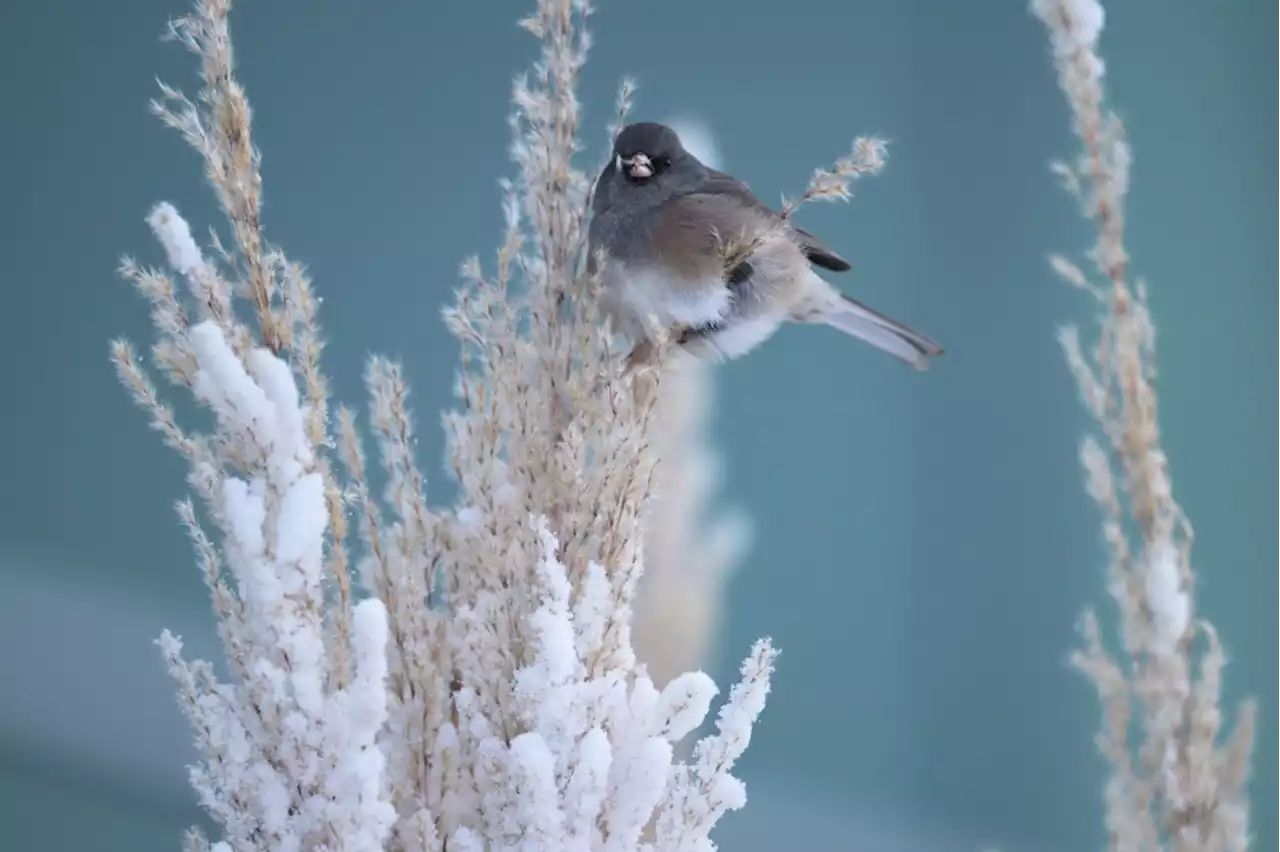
(1186, 790)
(401, 675)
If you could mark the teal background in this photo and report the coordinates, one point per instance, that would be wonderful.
(924, 544)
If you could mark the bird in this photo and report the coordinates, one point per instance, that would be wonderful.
(694, 249)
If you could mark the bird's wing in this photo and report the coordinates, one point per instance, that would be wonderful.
(817, 251)
(702, 235)
(819, 254)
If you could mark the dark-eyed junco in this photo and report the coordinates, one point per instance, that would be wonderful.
(696, 250)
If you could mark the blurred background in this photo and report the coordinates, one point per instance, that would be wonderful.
(924, 545)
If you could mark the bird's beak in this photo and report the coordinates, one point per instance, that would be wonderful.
(638, 166)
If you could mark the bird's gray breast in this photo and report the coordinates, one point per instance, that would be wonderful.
(623, 232)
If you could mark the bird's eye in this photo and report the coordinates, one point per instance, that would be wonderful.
(664, 162)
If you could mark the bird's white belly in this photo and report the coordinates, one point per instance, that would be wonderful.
(742, 335)
(646, 295)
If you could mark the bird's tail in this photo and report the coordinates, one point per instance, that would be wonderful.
(856, 319)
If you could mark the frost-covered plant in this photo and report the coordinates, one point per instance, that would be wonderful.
(1186, 791)
(482, 692)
